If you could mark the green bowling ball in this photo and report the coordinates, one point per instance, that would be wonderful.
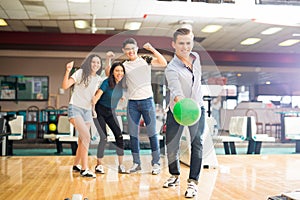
(186, 112)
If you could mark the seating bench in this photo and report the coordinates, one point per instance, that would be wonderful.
(72, 140)
(243, 128)
(229, 143)
(292, 131)
(63, 138)
(65, 134)
(69, 138)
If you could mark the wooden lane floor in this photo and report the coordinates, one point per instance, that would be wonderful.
(237, 177)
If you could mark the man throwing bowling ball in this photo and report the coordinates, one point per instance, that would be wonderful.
(183, 74)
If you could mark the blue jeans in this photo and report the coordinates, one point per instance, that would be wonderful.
(75, 111)
(173, 135)
(136, 109)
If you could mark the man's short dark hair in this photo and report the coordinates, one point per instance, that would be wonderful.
(180, 31)
(129, 41)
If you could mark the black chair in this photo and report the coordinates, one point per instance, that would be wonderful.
(50, 108)
(63, 110)
(2, 126)
(45, 120)
(32, 120)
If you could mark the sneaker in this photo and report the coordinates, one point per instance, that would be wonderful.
(135, 167)
(76, 168)
(99, 169)
(155, 169)
(121, 169)
(87, 173)
(172, 181)
(191, 190)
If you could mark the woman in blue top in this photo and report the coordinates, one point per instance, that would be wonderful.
(110, 93)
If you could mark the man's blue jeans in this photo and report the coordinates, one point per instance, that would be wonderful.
(173, 135)
(136, 109)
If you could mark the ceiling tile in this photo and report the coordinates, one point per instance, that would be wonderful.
(161, 18)
(57, 9)
(11, 5)
(117, 23)
(102, 9)
(52, 23)
(17, 25)
(3, 14)
(37, 12)
(32, 22)
(17, 14)
(80, 10)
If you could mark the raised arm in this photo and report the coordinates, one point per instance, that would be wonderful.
(67, 81)
(109, 56)
(159, 59)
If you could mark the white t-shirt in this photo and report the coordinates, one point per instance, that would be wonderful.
(138, 79)
(82, 96)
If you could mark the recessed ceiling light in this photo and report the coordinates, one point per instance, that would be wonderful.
(211, 28)
(271, 31)
(296, 34)
(289, 42)
(81, 24)
(250, 41)
(3, 22)
(132, 25)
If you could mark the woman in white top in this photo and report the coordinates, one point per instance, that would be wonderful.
(86, 82)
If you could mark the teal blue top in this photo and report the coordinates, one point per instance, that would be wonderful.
(110, 96)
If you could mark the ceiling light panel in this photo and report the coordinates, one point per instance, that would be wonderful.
(81, 24)
(3, 22)
(271, 31)
(250, 41)
(289, 42)
(211, 28)
(132, 25)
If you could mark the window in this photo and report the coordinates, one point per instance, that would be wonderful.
(24, 88)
